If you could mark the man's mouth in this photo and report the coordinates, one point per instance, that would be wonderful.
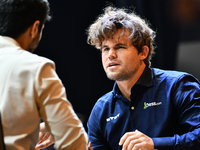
(112, 64)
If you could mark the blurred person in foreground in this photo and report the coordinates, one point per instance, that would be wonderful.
(148, 108)
(30, 88)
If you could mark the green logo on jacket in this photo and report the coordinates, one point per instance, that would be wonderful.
(151, 104)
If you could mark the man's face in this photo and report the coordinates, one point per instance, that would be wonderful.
(120, 58)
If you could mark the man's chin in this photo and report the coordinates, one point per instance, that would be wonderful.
(112, 76)
(117, 76)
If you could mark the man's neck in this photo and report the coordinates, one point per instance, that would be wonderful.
(126, 85)
(23, 40)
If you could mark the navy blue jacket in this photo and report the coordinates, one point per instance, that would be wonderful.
(165, 105)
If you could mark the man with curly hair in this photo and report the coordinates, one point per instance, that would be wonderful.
(148, 108)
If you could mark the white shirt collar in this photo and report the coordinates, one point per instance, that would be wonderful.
(8, 40)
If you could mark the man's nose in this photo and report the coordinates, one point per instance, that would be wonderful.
(112, 54)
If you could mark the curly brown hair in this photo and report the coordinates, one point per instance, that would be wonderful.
(113, 19)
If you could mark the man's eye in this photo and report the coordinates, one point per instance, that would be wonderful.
(120, 47)
(105, 49)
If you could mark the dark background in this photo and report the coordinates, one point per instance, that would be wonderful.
(79, 65)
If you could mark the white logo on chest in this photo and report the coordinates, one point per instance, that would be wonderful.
(112, 118)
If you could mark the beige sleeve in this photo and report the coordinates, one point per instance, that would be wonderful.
(57, 112)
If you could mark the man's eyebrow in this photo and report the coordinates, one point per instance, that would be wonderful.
(120, 44)
(104, 46)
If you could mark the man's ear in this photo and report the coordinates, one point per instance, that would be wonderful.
(144, 53)
(35, 29)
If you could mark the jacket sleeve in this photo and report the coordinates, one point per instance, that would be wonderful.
(57, 112)
(186, 101)
(94, 131)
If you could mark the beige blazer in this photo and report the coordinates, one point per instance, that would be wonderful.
(29, 90)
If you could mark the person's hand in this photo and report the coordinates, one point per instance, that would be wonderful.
(136, 141)
(90, 146)
(45, 140)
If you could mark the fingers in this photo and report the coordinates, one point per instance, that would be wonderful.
(90, 146)
(44, 137)
(46, 141)
(135, 141)
(42, 145)
(125, 136)
(41, 135)
(132, 141)
(135, 145)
